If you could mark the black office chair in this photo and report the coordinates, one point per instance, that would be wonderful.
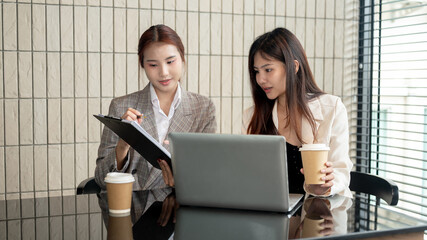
(375, 185)
(88, 186)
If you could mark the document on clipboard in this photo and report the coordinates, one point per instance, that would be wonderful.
(132, 133)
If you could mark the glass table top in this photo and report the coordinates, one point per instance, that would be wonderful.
(155, 214)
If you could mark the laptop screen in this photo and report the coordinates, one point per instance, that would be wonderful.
(230, 171)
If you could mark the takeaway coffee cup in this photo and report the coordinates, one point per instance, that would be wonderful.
(314, 157)
(119, 193)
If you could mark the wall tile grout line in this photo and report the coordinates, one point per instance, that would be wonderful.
(33, 116)
(4, 117)
(313, 67)
(46, 91)
(323, 46)
(232, 67)
(100, 73)
(126, 48)
(87, 119)
(243, 62)
(61, 102)
(221, 69)
(75, 124)
(139, 34)
(114, 52)
(198, 50)
(104, 98)
(130, 53)
(186, 42)
(334, 51)
(210, 50)
(47, 112)
(161, 9)
(19, 114)
(324, 49)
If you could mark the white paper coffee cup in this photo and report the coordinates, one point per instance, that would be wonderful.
(314, 157)
(119, 193)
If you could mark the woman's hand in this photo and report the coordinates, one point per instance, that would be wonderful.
(122, 147)
(322, 189)
(167, 173)
(166, 170)
(132, 115)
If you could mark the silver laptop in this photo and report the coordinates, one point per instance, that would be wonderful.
(232, 171)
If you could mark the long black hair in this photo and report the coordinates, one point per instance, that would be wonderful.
(282, 45)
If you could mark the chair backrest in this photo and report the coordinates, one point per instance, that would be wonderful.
(88, 186)
(381, 187)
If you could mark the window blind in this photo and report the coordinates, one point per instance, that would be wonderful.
(391, 135)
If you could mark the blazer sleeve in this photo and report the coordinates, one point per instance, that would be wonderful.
(106, 160)
(209, 123)
(339, 151)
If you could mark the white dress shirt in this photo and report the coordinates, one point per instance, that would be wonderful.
(163, 120)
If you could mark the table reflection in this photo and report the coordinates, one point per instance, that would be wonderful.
(119, 228)
(211, 223)
(152, 216)
(154, 213)
(323, 217)
(141, 202)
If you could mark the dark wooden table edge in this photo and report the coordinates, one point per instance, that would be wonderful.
(374, 233)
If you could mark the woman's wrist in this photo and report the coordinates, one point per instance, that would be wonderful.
(122, 149)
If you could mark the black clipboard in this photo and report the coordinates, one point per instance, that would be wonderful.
(132, 133)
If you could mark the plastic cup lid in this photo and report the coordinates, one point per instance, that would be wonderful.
(116, 177)
(314, 147)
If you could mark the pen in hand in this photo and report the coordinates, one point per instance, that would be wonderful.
(140, 116)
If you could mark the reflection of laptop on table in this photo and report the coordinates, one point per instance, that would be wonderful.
(211, 223)
(232, 171)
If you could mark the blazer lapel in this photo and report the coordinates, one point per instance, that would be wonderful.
(144, 105)
(182, 119)
(306, 131)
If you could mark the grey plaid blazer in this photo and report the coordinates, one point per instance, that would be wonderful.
(195, 113)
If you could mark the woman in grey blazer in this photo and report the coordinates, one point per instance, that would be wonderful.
(161, 107)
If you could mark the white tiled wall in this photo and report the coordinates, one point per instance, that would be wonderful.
(62, 61)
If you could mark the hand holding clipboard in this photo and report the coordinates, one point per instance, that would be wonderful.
(133, 134)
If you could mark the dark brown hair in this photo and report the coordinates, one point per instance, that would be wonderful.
(281, 45)
(159, 33)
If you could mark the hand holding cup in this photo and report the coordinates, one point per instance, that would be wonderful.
(316, 169)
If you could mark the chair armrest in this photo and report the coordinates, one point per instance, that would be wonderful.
(88, 186)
